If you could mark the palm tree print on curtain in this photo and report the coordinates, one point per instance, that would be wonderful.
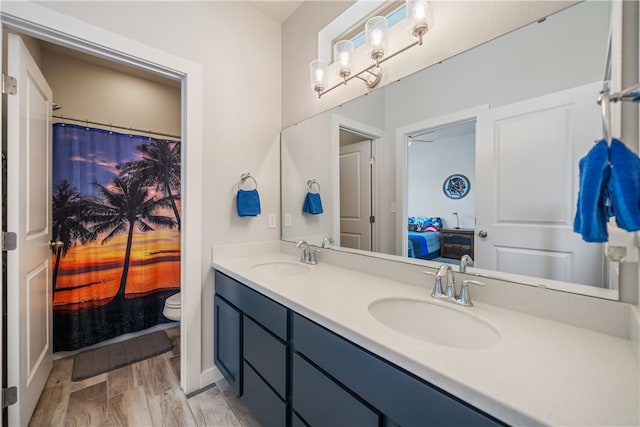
(116, 208)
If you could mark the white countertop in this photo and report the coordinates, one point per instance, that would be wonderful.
(541, 373)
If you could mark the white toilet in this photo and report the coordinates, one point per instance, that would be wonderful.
(172, 307)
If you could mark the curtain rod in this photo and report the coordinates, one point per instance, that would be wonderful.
(89, 122)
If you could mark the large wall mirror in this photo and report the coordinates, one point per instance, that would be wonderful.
(476, 155)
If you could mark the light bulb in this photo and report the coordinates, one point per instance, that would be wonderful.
(419, 17)
(344, 59)
(318, 75)
(420, 11)
(342, 52)
(376, 37)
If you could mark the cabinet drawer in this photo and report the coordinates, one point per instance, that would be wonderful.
(263, 310)
(455, 251)
(227, 342)
(322, 402)
(399, 395)
(267, 355)
(264, 404)
(457, 240)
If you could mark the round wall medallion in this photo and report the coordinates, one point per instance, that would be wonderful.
(456, 186)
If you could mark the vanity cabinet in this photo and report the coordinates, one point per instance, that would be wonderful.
(251, 348)
(293, 372)
(403, 398)
(455, 243)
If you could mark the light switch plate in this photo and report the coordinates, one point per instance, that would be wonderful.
(272, 220)
(287, 220)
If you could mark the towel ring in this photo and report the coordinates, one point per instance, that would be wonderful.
(310, 183)
(246, 176)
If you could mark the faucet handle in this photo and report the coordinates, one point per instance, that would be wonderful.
(437, 285)
(465, 298)
(312, 256)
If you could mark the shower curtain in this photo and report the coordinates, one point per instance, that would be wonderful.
(116, 212)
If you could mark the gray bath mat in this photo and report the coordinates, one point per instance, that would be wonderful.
(103, 359)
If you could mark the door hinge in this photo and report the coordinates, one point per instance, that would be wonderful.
(372, 160)
(372, 219)
(9, 396)
(9, 85)
(9, 241)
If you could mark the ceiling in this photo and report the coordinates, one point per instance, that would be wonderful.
(278, 10)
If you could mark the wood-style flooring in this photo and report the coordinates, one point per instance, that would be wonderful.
(146, 393)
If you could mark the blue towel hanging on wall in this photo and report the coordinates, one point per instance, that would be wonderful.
(312, 204)
(624, 186)
(248, 202)
(609, 186)
(592, 213)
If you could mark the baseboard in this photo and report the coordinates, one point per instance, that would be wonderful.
(210, 376)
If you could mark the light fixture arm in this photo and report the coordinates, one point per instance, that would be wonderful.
(377, 74)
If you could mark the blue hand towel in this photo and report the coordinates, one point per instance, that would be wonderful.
(248, 202)
(624, 186)
(592, 213)
(312, 204)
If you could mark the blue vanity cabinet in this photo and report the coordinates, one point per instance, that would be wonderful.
(401, 397)
(292, 372)
(261, 341)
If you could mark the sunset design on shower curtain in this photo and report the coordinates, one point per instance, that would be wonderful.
(116, 208)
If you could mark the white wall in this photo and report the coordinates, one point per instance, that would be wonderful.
(239, 50)
(429, 165)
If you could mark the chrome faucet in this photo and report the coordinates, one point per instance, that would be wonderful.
(326, 242)
(445, 270)
(307, 255)
(449, 293)
(464, 261)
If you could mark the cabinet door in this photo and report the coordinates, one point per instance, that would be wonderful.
(227, 340)
(322, 402)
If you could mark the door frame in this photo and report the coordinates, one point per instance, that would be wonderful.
(45, 24)
(377, 140)
(402, 162)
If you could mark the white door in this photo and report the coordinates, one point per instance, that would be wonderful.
(355, 196)
(29, 294)
(529, 193)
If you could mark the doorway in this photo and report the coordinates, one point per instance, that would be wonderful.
(356, 190)
(30, 19)
(440, 192)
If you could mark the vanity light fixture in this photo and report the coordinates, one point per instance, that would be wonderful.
(419, 20)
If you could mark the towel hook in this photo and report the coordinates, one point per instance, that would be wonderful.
(246, 176)
(310, 183)
(604, 100)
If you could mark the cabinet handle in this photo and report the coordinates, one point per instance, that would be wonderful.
(482, 233)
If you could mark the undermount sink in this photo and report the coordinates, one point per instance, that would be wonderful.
(281, 268)
(435, 323)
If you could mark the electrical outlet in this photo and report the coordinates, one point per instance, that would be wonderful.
(272, 220)
(287, 220)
